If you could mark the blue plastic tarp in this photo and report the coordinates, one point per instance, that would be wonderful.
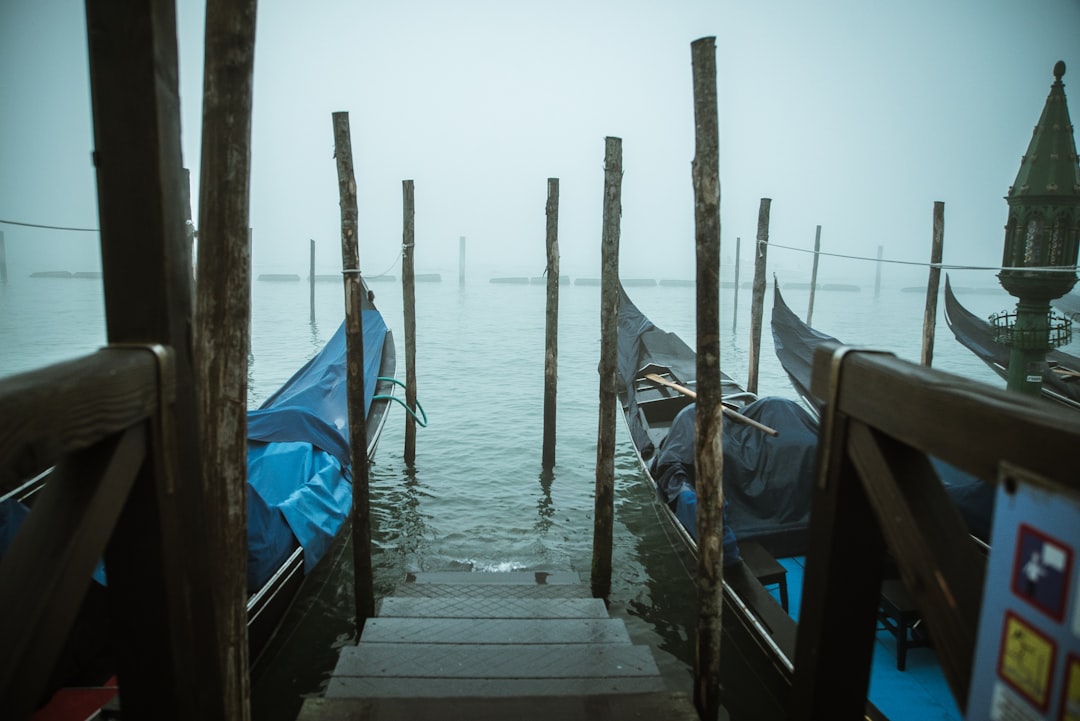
(299, 491)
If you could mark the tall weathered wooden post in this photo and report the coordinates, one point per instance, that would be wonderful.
(932, 285)
(3, 259)
(408, 286)
(223, 327)
(735, 300)
(551, 334)
(708, 420)
(604, 517)
(311, 279)
(877, 276)
(758, 303)
(354, 353)
(461, 262)
(813, 276)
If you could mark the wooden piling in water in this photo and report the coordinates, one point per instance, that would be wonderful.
(223, 327)
(461, 262)
(311, 279)
(758, 301)
(735, 302)
(934, 282)
(604, 516)
(354, 353)
(708, 422)
(813, 276)
(3, 259)
(551, 335)
(408, 288)
(877, 277)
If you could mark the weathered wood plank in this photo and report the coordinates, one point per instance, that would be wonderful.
(487, 690)
(913, 404)
(493, 607)
(70, 406)
(494, 631)
(430, 660)
(540, 578)
(658, 705)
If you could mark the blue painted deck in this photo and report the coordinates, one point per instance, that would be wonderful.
(919, 693)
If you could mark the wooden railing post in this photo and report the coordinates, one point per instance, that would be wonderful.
(708, 419)
(168, 637)
(604, 518)
(354, 353)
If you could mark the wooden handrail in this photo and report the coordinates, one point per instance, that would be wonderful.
(68, 406)
(877, 490)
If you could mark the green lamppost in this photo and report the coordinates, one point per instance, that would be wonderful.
(1042, 236)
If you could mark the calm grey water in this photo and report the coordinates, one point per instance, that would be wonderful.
(476, 497)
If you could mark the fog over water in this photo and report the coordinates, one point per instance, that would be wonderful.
(850, 114)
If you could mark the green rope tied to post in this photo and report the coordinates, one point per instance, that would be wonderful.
(422, 422)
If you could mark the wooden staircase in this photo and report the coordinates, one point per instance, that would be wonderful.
(493, 646)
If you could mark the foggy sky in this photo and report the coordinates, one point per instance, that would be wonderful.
(853, 114)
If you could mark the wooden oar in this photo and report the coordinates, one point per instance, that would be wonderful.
(655, 378)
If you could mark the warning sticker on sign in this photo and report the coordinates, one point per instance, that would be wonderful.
(1027, 660)
(1041, 571)
(1070, 701)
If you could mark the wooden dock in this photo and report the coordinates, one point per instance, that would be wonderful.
(481, 646)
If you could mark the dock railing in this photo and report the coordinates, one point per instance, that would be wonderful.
(91, 420)
(876, 490)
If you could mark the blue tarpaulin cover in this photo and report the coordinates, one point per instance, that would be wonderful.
(298, 446)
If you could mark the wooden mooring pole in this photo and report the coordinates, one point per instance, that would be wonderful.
(877, 277)
(461, 262)
(708, 421)
(408, 288)
(223, 327)
(813, 275)
(551, 335)
(933, 284)
(735, 302)
(354, 351)
(757, 304)
(311, 279)
(3, 259)
(604, 517)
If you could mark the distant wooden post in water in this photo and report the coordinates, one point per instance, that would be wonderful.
(758, 302)
(311, 279)
(813, 275)
(604, 517)
(735, 302)
(877, 278)
(354, 353)
(223, 324)
(708, 421)
(408, 288)
(551, 344)
(3, 259)
(930, 314)
(461, 262)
